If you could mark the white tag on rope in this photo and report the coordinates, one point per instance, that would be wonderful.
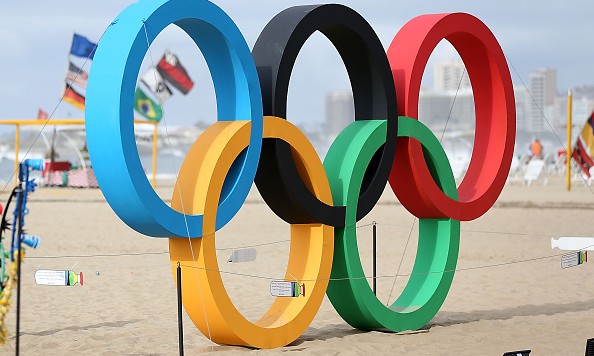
(242, 255)
(573, 259)
(58, 277)
(286, 289)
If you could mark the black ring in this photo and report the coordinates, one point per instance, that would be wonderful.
(275, 53)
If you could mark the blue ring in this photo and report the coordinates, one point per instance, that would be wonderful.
(109, 110)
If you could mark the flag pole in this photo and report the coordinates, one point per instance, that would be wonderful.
(17, 137)
(62, 90)
(568, 159)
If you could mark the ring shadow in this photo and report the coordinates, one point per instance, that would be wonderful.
(449, 318)
(443, 318)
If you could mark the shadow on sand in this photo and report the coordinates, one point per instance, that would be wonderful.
(446, 318)
(109, 324)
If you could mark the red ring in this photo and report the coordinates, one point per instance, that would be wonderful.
(494, 104)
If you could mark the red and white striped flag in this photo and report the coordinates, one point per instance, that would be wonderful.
(77, 76)
(42, 115)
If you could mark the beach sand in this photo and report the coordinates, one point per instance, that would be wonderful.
(508, 294)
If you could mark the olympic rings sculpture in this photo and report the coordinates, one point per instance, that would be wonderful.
(252, 141)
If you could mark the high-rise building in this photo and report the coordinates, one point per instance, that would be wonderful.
(340, 111)
(450, 76)
(522, 107)
(543, 90)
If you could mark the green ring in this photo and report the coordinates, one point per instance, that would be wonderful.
(439, 239)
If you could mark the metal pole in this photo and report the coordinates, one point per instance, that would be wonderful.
(374, 258)
(179, 311)
(17, 137)
(568, 160)
(154, 178)
(19, 226)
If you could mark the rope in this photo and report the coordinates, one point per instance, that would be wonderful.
(452, 107)
(54, 110)
(401, 260)
(471, 268)
(415, 219)
(542, 114)
(194, 266)
(178, 188)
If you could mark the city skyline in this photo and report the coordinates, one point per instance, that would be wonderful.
(450, 96)
(35, 56)
(446, 106)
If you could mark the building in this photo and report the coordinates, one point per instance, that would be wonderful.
(582, 107)
(450, 100)
(583, 92)
(583, 103)
(438, 107)
(450, 76)
(542, 85)
(340, 111)
(523, 106)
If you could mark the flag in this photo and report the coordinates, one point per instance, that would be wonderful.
(587, 134)
(82, 47)
(154, 81)
(583, 160)
(74, 98)
(77, 76)
(146, 106)
(42, 115)
(584, 147)
(171, 69)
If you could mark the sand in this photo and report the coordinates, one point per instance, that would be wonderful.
(128, 303)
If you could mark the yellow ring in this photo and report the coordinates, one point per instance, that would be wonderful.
(199, 187)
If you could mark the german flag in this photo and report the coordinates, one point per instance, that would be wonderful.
(73, 98)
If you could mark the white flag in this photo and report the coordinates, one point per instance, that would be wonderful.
(153, 80)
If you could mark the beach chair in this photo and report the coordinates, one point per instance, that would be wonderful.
(534, 171)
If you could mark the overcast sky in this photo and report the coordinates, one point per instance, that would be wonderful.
(35, 38)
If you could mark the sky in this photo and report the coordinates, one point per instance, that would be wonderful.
(35, 38)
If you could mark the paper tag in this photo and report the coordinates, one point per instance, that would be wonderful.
(573, 259)
(51, 278)
(242, 255)
(57, 278)
(286, 289)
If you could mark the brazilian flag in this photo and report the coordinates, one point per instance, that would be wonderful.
(146, 106)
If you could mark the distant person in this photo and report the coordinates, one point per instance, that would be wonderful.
(536, 149)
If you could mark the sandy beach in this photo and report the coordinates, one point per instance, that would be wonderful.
(510, 292)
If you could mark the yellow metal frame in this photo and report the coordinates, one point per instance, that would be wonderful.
(569, 152)
(17, 136)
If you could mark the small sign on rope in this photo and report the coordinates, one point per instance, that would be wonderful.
(573, 259)
(242, 255)
(286, 289)
(48, 277)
